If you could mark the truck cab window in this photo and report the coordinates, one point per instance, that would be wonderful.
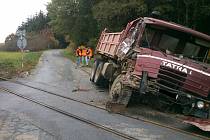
(159, 38)
(191, 50)
(147, 37)
(168, 43)
(175, 43)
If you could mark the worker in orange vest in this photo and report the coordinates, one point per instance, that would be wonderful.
(84, 55)
(79, 56)
(89, 55)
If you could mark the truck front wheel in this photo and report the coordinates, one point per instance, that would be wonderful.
(119, 93)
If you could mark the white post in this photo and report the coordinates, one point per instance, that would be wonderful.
(22, 52)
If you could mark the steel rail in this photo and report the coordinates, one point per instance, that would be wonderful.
(82, 102)
(51, 93)
(81, 119)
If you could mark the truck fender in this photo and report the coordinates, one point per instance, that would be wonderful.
(107, 70)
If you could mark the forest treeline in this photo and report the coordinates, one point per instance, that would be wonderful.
(81, 21)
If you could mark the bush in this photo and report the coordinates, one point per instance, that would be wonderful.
(92, 43)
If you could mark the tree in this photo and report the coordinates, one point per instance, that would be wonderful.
(191, 13)
(83, 20)
(115, 14)
(73, 18)
(35, 23)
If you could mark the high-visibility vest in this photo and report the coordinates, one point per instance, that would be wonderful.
(90, 52)
(84, 52)
(79, 52)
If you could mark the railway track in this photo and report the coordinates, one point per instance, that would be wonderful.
(85, 103)
(97, 125)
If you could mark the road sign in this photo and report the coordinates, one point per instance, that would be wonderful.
(21, 43)
(20, 33)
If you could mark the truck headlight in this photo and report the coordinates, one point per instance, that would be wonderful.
(200, 104)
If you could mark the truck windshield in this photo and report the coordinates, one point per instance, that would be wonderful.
(180, 44)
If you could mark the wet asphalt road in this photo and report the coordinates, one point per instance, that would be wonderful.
(58, 74)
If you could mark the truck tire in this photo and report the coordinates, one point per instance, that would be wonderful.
(119, 93)
(98, 78)
(93, 71)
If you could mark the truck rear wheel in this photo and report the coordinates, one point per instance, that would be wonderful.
(119, 93)
(98, 78)
(93, 71)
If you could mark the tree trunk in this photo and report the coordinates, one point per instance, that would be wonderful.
(187, 5)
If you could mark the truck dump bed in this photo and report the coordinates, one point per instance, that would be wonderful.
(108, 43)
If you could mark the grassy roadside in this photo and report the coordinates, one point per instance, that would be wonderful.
(10, 63)
(69, 54)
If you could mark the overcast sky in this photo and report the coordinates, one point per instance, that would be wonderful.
(14, 12)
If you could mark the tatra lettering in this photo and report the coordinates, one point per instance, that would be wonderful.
(180, 68)
(184, 70)
(169, 65)
(176, 67)
(164, 63)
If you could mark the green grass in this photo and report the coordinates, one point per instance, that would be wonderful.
(69, 54)
(10, 62)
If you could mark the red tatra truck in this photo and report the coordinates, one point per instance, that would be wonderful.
(154, 57)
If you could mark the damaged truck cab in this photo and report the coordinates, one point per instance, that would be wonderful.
(158, 58)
